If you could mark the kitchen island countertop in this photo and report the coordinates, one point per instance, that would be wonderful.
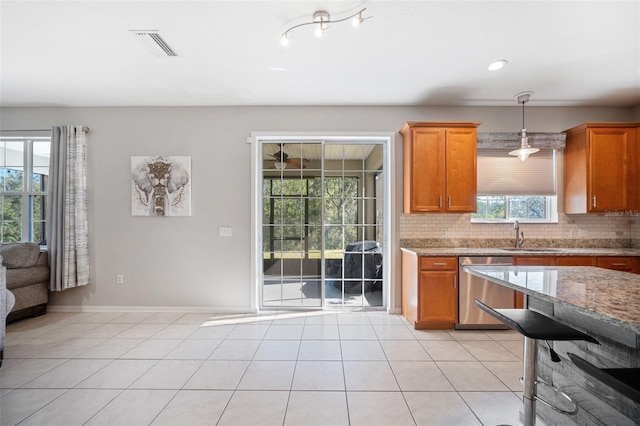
(604, 295)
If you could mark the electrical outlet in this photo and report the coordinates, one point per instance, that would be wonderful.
(582, 233)
(119, 279)
(224, 231)
(573, 233)
(444, 232)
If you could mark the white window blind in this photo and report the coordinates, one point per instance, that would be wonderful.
(502, 174)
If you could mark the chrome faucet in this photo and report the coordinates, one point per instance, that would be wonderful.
(519, 235)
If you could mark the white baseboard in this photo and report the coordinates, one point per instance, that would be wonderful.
(185, 309)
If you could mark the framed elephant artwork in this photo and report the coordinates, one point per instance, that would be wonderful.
(161, 186)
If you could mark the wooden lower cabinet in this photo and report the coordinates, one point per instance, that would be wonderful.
(429, 291)
(534, 261)
(625, 264)
(430, 284)
(618, 263)
(576, 261)
(438, 299)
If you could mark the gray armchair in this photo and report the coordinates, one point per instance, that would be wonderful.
(6, 303)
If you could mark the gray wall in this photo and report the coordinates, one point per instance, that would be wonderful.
(181, 261)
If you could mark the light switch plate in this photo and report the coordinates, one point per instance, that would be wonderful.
(224, 231)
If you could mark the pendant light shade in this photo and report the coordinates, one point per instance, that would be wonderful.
(525, 149)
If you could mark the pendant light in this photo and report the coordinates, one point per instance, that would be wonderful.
(525, 149)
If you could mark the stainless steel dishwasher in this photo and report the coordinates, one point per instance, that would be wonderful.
(472, 287)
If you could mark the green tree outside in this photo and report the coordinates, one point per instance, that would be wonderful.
(292, 216)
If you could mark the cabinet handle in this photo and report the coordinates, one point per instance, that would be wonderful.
(440, 201)
(439, 264)
(449, 201)
(594, 201)
(618, 264)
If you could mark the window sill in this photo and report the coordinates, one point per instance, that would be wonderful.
(511, 221)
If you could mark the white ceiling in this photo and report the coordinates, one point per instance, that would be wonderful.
(81, 53)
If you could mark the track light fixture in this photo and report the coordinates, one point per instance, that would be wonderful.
(525, 149)
(321, 20)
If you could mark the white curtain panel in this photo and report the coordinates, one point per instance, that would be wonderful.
(67, 219)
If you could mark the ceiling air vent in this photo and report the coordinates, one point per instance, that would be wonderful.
(154, 42)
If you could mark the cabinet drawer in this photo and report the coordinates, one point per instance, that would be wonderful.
(576, 261)
(534, 260)
(617, 263)
(438, 263)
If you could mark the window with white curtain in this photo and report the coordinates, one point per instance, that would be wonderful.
(510, 189)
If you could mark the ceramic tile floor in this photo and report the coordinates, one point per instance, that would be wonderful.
(276, 368)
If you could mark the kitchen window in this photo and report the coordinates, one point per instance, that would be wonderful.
(510, 189)
(24, 174)
(524, 208)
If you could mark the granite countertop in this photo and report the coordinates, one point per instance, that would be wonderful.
(470, 251)
(603, 294)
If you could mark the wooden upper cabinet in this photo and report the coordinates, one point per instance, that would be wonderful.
(440, 167)
(426, 167)
(601, 166)
(461, 170)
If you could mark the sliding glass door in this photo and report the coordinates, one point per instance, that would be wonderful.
(321, 224)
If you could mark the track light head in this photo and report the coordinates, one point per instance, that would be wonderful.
(322, 19)
(357, 20)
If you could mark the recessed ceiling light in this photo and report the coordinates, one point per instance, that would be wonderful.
(277, 69)
(496, 65)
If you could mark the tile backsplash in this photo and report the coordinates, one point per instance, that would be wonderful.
(635, 233)
(571, 230)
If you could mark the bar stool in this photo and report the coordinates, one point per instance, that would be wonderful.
(535, 326)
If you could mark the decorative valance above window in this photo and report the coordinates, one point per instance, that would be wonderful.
(511, 140)
(502, 174)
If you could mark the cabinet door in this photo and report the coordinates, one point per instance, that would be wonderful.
(576, 261)
(634, 170)
(608, 169)
(427, 174)
(461, 176)
(438, 299)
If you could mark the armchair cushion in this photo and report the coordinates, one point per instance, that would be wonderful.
(19, 255)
